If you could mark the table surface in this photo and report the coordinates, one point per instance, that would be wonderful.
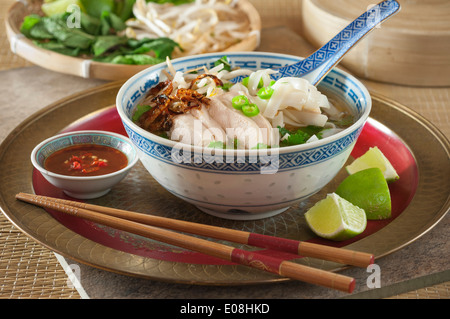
(28, 270)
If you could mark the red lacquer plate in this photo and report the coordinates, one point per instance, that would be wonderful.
(126, 253)
(373, 134)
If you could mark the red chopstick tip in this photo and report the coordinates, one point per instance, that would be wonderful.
(352, 285)
(372, 260)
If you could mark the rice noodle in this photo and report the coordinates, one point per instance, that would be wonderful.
(294, 103)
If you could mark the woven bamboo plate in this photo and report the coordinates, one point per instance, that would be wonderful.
(87, 68)
(420, 197)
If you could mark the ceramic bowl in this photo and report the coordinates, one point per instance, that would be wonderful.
(246, 184)
(84, 187)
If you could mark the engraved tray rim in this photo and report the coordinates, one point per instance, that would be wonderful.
(47, 231)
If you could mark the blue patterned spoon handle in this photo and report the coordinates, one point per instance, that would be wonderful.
(315, 67)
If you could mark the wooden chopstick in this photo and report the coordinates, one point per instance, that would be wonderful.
(340, 255)
(248, 258)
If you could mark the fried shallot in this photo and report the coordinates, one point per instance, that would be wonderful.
(165, 104)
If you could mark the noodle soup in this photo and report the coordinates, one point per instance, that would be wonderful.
(239, 109)
(236, 181)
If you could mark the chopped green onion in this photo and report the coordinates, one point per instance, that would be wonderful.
(250, 110)
(265, 93)
(245, 82)
(239, 101)
(261, 83)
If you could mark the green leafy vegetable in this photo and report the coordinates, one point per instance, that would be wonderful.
(29, 24)
(58, 47)
(162, 47)
(39, 31)
(107, 42)
(175, 2)
(313, 130)
(134, 51)
(70, 37)
(121, 9)
(300, 136)
(97, 7)
(97, 37)
(110, 23)
(124, 9)
(138, 59)
(90, 24)
(140, 109)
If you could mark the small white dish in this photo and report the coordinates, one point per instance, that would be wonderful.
(84, 187)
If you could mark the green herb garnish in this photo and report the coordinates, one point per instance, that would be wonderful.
(140, 109)
(226, 86)
(216, 144)
(300, 136)
(260, 146)
(223, 60)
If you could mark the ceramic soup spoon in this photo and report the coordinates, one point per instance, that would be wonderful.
(315, 67)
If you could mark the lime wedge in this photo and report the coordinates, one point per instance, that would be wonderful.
(335, 218)
(58, 6)
(367, 189)
(374, 158)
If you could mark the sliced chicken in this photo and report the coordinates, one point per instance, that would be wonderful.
(236, 125)
(214, 128)
(189, 130)
(268, 135)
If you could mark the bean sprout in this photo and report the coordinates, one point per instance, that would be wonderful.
(199, 27)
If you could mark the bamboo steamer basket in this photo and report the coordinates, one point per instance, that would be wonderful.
(412, 48)
(87, 68)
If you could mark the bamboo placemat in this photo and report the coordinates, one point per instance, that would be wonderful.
(8, 60)
(440, 291)
(29, 270)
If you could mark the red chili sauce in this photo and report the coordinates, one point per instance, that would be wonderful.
(86, 160)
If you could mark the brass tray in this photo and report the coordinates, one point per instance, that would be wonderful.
(424, 199)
